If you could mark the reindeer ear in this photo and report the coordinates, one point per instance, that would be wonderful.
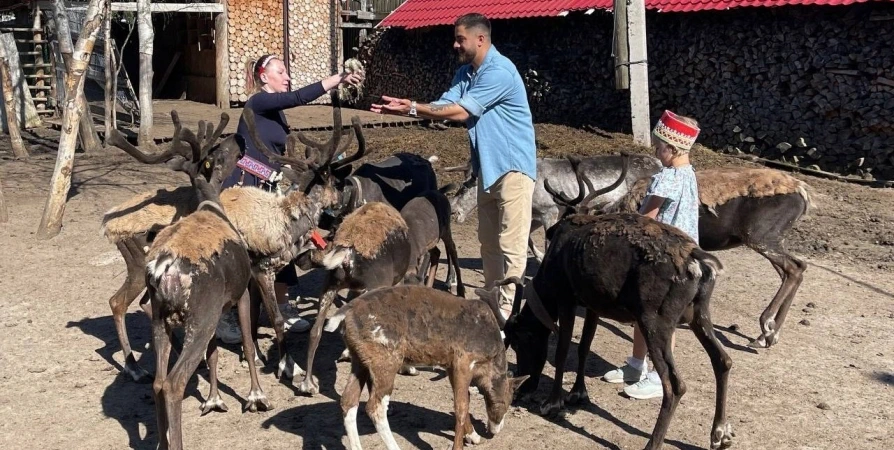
(517, 381)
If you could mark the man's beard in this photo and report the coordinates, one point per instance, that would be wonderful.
(464, 57)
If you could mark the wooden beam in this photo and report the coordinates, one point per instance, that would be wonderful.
(619, 49)
(222, 59)
(156, 7)
(639, 72)
(356, 25)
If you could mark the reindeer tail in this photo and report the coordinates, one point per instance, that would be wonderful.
(337, 257)
(164, 274)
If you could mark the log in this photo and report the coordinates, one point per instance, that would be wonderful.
(110, 74)
(86, 129)
(24, 104)
(146, 34)
(222, 56)
(51, 221)
(12, 119)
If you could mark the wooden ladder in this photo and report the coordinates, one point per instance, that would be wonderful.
(37, 65)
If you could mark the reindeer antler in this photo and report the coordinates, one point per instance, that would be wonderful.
(116, 139)
(361, 144)
(625, 163)
(297, 164)
(560, 197)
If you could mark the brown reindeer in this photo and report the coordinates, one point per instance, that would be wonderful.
(387, 328)
(754, 207)
(629, 268)
(428, 221)
(133, 225)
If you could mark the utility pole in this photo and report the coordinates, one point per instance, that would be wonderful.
(639, 72)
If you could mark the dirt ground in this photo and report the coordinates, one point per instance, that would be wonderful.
(828, 384)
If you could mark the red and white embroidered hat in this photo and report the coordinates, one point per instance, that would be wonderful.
(675, 132)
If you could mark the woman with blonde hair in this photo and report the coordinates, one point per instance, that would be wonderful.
(270, 85)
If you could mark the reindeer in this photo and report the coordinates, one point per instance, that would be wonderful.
(545, 212)
(754, 207)
(625, 267)
(133, 225)
(370, 249)
(386, 328)
(196, 268)
(428, 220)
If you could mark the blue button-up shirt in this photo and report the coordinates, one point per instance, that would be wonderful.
(500, 127)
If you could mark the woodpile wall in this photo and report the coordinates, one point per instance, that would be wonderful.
(809, 85)
(311, 41)
(255, 29)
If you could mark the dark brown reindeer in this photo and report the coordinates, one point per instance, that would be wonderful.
(386, 328)
(133, 225)
(629, 268)
(195, 269)
(428, 220)
(754, 207)
(370, 249)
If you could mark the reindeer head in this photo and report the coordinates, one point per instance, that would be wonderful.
(464, 196)
(498, 390)
(196, 155)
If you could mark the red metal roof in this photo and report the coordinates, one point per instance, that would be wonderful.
(423, 13)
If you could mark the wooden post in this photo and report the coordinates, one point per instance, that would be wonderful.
(639, 72)
(38, 58)
(146, 34)
(12, 116)
(110, 74)
(619, 50)
(86, 130)
(222, 58)
(51, 221)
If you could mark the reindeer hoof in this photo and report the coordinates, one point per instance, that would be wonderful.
(409, 371)
(577, 396)
(760, 342)
(257, 401)
(309, 387)
(472, 439)
(288, 368)
(214, 404)
(722, 437)
(137, 373)
(551, 409)
(258, 362)
(344, 357)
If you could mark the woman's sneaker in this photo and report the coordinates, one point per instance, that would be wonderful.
(648, 387)
(228, 328)
(624, 374)
(292, 322)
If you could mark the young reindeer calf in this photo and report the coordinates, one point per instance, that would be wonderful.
(387, 328)
(428, 219)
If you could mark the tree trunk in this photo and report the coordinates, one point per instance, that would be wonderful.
(51, 221)
(147, 36)
(86, 129)
(12, 117)
(110, 73)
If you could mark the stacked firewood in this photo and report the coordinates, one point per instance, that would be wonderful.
(813, 86)
(309, 42)
(255, 29)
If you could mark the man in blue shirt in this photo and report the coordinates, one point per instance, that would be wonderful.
(487, 93)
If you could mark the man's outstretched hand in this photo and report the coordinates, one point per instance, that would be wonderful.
(393, 105)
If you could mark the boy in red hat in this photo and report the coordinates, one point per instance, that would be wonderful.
(672, 198)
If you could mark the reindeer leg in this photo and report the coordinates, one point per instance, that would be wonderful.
(257, 401)
(460, 380)
(377, 405)
(286, 366)
(454, 277)
(657, 333)
(161, 342)
(791, 270)
(198, 334)
(134, 283)
(422, 266)
(721, 432)
(434, 258)
(553, 405)
(350, 402)
(214, 402)
(579, 390)
(310, 386)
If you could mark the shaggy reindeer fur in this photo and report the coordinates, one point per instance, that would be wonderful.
(148, 212)
(381, 232)
(388, 327)
(751, 207)
(195, 269)
(366, 229)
